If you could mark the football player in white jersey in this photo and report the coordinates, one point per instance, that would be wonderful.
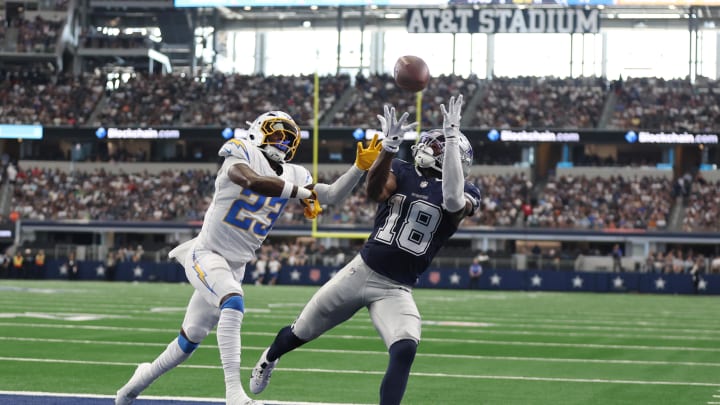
(252, 187)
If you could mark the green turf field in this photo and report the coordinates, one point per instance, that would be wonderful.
(478, 347)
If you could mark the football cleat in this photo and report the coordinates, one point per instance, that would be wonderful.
(127, 394)
(260, 376)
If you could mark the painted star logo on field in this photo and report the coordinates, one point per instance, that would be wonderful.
(495, 279)
(295, 275)
(577, 282)
(702, 284)
(137, 272)
(536, 281)
(100, 270)
(454, 278)
(618, 282)
(659, 284)
(63, 269)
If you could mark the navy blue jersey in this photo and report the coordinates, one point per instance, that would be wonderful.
(410, 226)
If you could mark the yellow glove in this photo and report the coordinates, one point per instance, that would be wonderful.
(312, 206)
(365, 157)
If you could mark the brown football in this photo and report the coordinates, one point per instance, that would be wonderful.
(411, 73)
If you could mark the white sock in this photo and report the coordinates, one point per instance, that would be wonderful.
(166, 361)
(228, 337)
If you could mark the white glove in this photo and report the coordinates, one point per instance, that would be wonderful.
(394, 129)
(451, 117)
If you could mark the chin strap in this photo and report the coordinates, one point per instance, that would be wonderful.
(273, 153)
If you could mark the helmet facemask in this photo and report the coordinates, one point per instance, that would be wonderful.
(276, 134)
(429, 151)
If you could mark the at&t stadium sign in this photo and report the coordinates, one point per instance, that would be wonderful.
(503, 20)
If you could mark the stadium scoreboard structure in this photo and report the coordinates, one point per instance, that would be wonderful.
(410, 3)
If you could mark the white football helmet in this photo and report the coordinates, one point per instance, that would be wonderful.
(276, 134)
(429, 151)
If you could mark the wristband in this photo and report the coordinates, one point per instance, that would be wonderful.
(287, 190)
(391, 149)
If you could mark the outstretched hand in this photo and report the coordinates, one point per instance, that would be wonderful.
(312, 206)
(394, 129)
(365, 157)
(451, 116)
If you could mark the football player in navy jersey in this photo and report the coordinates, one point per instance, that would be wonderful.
(420, 206)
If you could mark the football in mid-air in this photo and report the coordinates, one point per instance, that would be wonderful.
(411, 73)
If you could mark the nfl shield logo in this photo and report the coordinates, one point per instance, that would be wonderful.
(315, 275)
(434, 277)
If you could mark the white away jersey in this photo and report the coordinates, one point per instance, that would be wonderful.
(238, 219)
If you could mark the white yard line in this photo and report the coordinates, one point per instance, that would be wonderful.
(353, 337)
(355, 352)
(155, 397)
(445, 375)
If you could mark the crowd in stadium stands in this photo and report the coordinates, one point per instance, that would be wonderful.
(168, 196)
(532, 102)
(667, 105)
(367, 100)
(227, 100)
(231, 100)
(307, 252)
(588, 203)
(37, 96)
(34, 95)
(702, 207)
(676, 261)
(371, 93)
(503, 200)
(599, 203)
(35, 35)
(148, 101)
(27, 75)
(32, 34)
(31, 97)
(289, 253)
(234, 99)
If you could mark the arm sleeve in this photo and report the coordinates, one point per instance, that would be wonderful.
(453, 181)
(340, 188)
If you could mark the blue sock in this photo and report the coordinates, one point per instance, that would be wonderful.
(402, 355)
(284, 342)
(186, 345)
(234, 302)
